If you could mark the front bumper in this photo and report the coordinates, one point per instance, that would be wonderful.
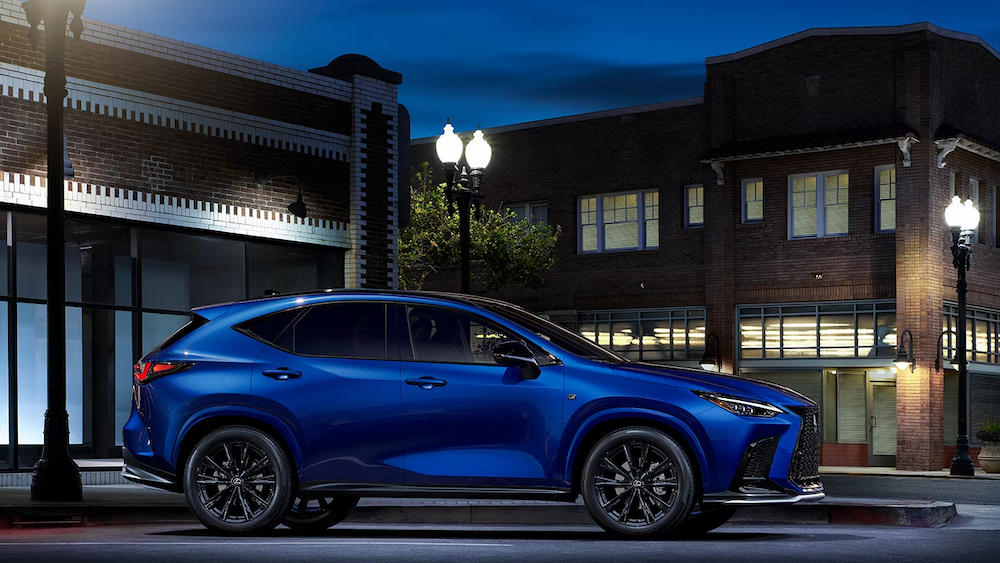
(760, 499)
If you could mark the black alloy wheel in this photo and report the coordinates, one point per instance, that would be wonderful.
(238, 481)
(314, 515)
(638, 482)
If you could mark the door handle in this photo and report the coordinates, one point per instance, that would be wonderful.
(282, 374)
(874, 422)
(426, 382)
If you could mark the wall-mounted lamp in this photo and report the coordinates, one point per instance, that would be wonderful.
(939, 359)
(904, 359)
(297, 207)
(709, 361)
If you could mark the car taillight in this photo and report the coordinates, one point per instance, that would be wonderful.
(146, 371)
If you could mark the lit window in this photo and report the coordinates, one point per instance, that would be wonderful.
(753, 200)
(974, 196)
(538, 213)
(885, 191)
(694, 206)
(614, 222)
(818, 205)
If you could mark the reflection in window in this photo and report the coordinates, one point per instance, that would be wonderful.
(443, 335)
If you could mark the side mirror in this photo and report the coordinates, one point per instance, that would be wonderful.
(517, 354)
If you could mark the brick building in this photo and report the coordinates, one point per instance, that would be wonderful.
(168, 209)
(792, 218)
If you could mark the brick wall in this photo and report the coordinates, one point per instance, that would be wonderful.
(150, 119)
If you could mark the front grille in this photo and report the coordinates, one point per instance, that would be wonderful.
(804, 469)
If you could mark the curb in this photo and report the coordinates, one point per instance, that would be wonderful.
(839, 511)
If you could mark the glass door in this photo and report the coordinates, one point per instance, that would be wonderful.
(881, 423)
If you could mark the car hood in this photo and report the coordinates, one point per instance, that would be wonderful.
(717, 382)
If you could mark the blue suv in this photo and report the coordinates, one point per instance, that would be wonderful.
(289, 409)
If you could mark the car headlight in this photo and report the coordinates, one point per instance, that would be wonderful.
(740, 405)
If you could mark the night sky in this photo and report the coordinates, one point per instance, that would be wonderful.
(512, 61)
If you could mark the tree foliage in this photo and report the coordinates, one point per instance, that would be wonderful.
(504, 251)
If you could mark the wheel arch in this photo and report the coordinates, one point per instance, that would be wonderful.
(601, 425)
(201, 428)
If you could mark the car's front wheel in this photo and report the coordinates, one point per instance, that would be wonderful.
(314, 515)
(638, 482)
(238, 481)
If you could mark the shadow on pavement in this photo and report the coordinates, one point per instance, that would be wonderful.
(514, 534)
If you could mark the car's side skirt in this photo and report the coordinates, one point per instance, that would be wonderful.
(321, 489)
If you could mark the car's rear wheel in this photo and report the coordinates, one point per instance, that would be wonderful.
(238, 481)
(638, 482)
(313, 515)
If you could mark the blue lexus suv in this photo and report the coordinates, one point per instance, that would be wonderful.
(288, 409)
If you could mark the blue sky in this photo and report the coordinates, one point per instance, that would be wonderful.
(512, 61)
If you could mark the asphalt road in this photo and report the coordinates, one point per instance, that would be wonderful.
(973, 491)
(972, 538)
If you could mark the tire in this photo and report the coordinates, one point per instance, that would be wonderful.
(705, 521)
(638, 482)
(315, 515)
(238, 481)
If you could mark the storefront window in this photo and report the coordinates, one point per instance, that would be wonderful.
(98, 263)
(32, 372)
(30, 240)
(653, 335)
(982, 333)
(4, 379)
(4, 225)
(181, 271)
(287, 268)
(833, 330)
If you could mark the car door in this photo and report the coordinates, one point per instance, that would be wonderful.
(468, 422)
(333, 380)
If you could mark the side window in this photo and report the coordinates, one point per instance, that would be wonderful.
(270, 327)
(343, 330)
(443, 335)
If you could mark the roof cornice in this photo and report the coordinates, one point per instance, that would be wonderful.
(846, 31)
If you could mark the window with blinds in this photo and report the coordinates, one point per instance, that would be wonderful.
(753, 200)
(818, 204)
(885, 194)
(694, 206)
(620, 221)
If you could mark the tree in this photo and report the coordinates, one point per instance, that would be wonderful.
(504, 251)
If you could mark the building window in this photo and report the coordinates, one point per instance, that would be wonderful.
(996, 231)
(652, 335)
(832, 330)
(537, 212)
(694, 206)
(982, 334)
(818, 204)
(612, 222)
(885, 204)
(753, 200)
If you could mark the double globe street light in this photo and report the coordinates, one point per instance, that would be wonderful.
(465, 189)
(963, 219)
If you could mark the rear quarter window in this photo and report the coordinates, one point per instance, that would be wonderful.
(269, 328)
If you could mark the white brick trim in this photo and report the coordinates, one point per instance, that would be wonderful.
(133, 105)
(146, 207)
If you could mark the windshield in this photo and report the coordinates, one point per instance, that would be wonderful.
(558, 335)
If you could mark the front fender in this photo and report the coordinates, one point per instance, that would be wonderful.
(685, 430)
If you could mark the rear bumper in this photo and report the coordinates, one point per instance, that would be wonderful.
(138, 472)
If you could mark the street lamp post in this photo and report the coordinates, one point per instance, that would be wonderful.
(963, 220)
(56, 476)
(465, 190)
